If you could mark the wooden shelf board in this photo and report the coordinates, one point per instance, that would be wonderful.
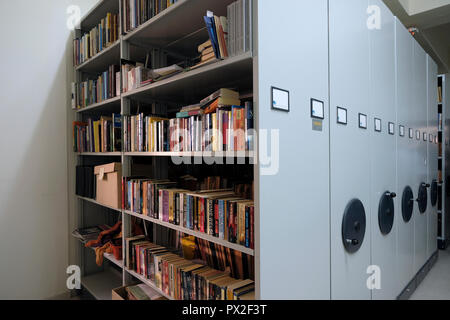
(102, 60)
(104, 105)
(99, 204)
(148, 283)
(234, 71)
(101, 284)
(197, 234)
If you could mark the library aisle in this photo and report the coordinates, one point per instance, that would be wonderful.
(224, 157)
(436, 286)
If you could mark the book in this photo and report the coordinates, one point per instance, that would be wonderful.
(94, 41)
(137, 12)
(211, 28)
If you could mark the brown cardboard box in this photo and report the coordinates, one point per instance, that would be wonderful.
(119, 293)
(109, 184)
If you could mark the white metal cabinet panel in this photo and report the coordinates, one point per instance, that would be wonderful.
(406, 149)
(432, 153)
(383, 152)
(349, 145)
(446, 154)
(421, 172)
(294, 238)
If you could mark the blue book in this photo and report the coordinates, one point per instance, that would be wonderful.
(210, 26)
(221, 219)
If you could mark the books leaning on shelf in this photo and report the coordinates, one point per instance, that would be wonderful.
(96, 90)
(221, 213)
(136, 76)
(102, 36)
(228, 36)
(214, 125)
(136, 12)
(184, 279)
(102, 135)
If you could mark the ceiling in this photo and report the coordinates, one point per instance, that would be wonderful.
(432, 19)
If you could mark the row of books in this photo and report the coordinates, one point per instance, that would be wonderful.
(220, 213)
(215, 124)
(227, 129)
(89, 92)
(180, 278)
(136, 12)
(103, 135)
(102, 36)
(135, 75)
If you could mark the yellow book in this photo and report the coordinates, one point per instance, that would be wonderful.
(96, 136)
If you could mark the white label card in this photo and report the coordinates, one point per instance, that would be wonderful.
(418, 135)
(411, 133)
(362, 121)
(341, 115)
(377, 125)
(391, 128)
(402, 131)
(317, 109)
(280, 99)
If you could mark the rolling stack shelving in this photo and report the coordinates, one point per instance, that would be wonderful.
(322, 180)
(154, 37)
(443, 162)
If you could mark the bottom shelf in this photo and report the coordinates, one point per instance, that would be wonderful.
(100, 284)
(148, 283)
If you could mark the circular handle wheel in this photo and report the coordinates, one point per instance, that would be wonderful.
(386, 212)
(407, 204)
(353, 226)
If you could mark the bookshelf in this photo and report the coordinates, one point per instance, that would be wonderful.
(187, 30)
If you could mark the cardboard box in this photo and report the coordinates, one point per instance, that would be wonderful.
(108, 178)
(119, 293)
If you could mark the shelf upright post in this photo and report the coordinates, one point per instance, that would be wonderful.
(79, 204)
(126, 165)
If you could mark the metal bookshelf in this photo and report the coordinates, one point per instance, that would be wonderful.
(186, 31)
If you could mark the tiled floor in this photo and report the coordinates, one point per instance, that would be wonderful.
(436, 285)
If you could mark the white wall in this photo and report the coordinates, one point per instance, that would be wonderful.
(35, 59)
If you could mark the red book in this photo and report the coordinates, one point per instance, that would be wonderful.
(225, 125)
(202, 215)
